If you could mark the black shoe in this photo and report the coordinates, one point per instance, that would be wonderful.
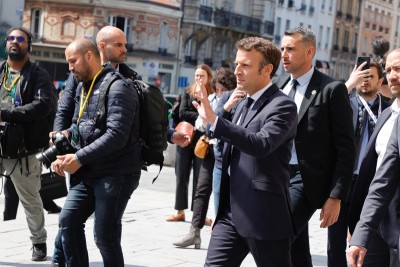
(39, 252)
(55, 210)
(57, 264)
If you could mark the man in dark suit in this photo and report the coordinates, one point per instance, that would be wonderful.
(379, 215)
(367, 106)
(323, 156)
(254, 211)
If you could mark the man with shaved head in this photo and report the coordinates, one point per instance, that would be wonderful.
(111, 42)
(105, 169)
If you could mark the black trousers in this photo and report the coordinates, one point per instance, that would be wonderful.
(203, 190)
(228, 248)
(378, 254)
(185, 159)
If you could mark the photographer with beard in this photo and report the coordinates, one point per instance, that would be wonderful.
(27, 111)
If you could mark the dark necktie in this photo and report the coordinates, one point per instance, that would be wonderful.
(362, 116)
(247, 104)
(293, 90)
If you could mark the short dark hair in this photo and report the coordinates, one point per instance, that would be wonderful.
(24, 30)
(271, 54)
(378, 68)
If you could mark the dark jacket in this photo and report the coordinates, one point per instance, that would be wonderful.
(39, 104)
(325, 139)
(106, 147)
(66, 105)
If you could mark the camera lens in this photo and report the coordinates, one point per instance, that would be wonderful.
(48, 156)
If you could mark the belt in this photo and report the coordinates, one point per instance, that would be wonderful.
(294, 168)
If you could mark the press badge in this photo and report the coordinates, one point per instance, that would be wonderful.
(74, 135)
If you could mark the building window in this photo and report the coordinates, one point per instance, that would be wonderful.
(328, 34)
(278, 26)
(320, 33)
(122, 23)
(164, 35)
(337, 37)
(36, 23)
(287, 27)
(364, 48)
(68, 28)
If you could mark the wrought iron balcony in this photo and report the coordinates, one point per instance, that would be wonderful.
(269, 27)
(205, 13)
(229, 19)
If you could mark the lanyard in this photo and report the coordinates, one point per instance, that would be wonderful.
(84, 101)
(367, 108)
(7, 72)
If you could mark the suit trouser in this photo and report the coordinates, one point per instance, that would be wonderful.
(228, 248)
(203, 190)
(302, 211)
(185, 159)
(337, 233)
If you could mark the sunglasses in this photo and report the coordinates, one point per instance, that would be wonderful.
(19, 39)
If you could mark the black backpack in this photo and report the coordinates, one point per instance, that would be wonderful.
(153, 119)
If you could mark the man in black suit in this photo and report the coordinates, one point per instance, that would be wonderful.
(379, 216)
(323, 156)
(254, 211)
(367, 106)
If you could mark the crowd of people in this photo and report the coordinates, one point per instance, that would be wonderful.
(279, 149)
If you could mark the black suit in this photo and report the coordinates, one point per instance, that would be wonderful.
(380, 213)
(337, 233)
(254, 212)
(325, 151)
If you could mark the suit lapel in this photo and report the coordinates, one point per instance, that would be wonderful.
(354, 107)
(260, 103)
(312, 90)
(379, 124)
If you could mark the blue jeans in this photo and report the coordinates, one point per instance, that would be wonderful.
(216, 187)
(107, 198)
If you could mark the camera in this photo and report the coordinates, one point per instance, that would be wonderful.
(61, 146)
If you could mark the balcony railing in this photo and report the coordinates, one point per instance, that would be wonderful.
(269, 27)
(311, 10)
(205, 13)
(209, 62)
(190, 60)
(229, 19)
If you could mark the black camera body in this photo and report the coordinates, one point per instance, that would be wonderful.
(61, 146)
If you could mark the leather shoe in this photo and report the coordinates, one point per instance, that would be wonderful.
(180, 217)
(208, 222)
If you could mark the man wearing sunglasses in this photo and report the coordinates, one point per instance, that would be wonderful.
(27, 105)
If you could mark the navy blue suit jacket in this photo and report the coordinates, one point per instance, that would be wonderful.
(257, 155)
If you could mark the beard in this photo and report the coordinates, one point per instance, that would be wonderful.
(17, 54)
(114, 59)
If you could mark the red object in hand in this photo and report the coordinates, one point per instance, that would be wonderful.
(186, 128)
